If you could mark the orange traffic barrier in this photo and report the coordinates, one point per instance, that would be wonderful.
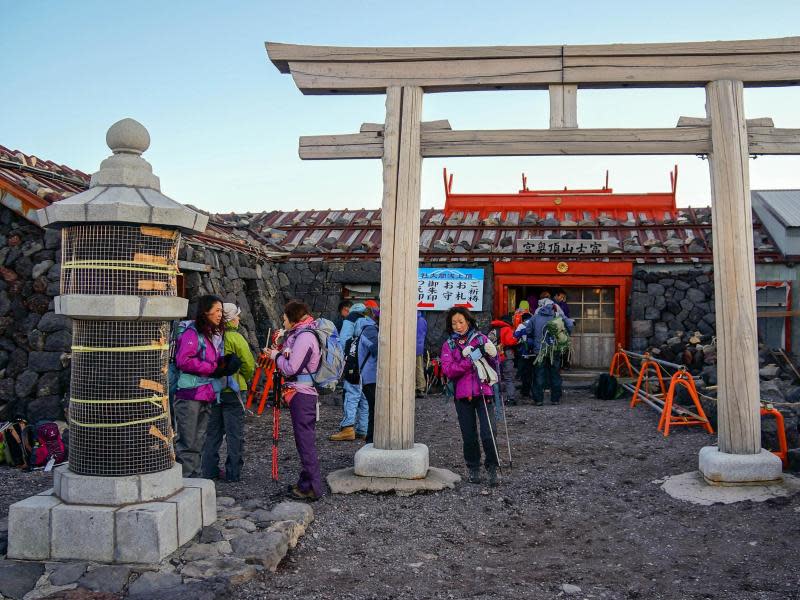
(783, 451)
(685, 417)
(646, 365)
(620, 359)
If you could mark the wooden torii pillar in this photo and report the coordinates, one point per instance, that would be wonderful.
(723, 68)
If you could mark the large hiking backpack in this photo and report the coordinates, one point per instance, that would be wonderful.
(352, 364)
(174, 372)
(331, 356)
(606, 387)
(48, 445)
(19, 443)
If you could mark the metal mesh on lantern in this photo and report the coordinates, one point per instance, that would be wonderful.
(119, 408)
(119, 260)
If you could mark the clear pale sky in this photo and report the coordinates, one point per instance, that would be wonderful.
(224, 122)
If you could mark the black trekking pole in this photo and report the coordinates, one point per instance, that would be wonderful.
(508, 440)
(491, 431)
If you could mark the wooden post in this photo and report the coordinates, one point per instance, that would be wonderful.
(563, 106)
(402, 163)
(739, 422)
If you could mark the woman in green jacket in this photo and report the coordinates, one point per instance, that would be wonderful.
(227, 414)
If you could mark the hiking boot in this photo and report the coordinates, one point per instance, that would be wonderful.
(299, 494)
(492, 470)
(538, 403)
(475, 475)
(347, 434)
(361, 436)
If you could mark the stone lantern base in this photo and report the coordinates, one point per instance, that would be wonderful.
(132, 519)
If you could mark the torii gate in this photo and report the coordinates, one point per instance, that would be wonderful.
(403, 74)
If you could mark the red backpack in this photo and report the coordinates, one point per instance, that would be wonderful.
(48, 444)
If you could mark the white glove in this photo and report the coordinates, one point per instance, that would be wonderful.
(490, 349)
(466, 351)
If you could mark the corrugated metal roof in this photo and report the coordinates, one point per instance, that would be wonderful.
(783, 204)
(680, 236)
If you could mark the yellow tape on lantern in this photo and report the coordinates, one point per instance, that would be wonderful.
(121, 348)
(112, 425)
(159, 401)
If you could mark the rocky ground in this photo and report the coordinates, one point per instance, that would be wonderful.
(582, 515)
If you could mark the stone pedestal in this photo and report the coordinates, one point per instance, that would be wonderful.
(132, 519)
(401, 464)
(721, 468)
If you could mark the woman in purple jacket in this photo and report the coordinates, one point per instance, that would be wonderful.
(472, 397)
(198, 357)
(297, 360)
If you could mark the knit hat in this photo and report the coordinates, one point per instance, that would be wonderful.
(358, 307)
(230, 311)
(524, 305)
(371, 303)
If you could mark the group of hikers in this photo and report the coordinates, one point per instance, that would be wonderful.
(212, 365)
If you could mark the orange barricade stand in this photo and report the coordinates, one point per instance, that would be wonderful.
(783, 452)
(620, 359)
(684, 379)
(647, 364)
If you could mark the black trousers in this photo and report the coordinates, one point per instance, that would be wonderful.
(369, 392)
(226, 419)
(470, 413)
(526, 373)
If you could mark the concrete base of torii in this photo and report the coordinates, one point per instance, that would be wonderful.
(721, 468)
(378, 471)
(131, 519)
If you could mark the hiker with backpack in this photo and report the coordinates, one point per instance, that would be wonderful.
(367, 355)
(202, 367)
(227, 412)
(422, 333)
(355, 409)
(548, 339)
(298, 360)
(506, 345)
(468, 363)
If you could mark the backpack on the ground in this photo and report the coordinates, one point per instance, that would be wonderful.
(331, 356)
(48, 445)
(352, 364)
(19, 443)
(606, 387)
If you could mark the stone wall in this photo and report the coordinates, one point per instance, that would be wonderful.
(665, 304)
(239, 278)
(34, 341)
(320, 285)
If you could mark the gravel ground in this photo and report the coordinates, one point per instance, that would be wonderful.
(582, 508)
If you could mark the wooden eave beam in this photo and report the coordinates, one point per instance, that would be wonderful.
(550, 142)
(326, 69)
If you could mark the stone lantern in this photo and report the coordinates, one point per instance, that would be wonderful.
(122, 498)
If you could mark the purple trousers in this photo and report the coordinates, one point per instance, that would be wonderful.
(303, 409)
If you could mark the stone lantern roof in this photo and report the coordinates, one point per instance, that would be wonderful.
(124, 190)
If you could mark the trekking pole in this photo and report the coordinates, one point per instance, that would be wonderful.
(491, 431)
(276, 423)
(508, 440)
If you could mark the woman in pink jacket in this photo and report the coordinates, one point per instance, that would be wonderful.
(297, 360)
(466, 344)
(202, 370)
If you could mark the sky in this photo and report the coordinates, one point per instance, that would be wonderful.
(224, 123)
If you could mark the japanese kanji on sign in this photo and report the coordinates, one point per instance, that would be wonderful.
(578, 247)
(443, 288)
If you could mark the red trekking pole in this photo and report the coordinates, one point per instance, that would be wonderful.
(276, 422)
